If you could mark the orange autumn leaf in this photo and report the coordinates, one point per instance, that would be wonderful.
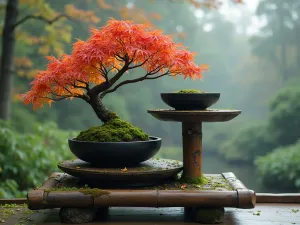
(104, 5)
(183, 186)
(83, 15)
(124, 170)
(16, 97)
(210, 3)
(23, 62)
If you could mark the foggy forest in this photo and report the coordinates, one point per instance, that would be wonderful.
(252, 49)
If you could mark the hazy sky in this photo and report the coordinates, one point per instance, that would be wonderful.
(242, 15)
(235, 13)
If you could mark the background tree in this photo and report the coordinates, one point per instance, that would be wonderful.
(277, 40)
(37, 10)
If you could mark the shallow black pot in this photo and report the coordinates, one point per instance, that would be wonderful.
(190, 101)
(112, 154)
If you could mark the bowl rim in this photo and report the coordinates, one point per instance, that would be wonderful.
(152, 139)
(206, 93)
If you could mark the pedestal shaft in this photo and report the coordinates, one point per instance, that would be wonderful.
(192, 149)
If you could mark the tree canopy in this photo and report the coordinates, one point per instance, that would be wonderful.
(97, 64)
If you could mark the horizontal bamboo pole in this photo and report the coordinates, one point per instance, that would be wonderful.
(18, 201)
(197, 198)
(148, 198)
(134, 198)
(247, 199)
(260, 198)
(35, 199)
(278, 198)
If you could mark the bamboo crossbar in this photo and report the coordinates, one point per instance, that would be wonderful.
(260, 198)
(240, 197)
(44, 197)
(141, 198)
(278, 198)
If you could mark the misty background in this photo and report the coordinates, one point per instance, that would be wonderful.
(253, 51)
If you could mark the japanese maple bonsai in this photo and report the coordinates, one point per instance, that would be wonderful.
(94, 69)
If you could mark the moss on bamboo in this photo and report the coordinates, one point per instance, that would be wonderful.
(8, 210)
(115, 130)
(198, 181)
(94, 192)
(203, 183)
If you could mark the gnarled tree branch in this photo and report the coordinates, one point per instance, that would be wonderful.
(29, 17)
(106, 85)
(87, 86)
(145, 77)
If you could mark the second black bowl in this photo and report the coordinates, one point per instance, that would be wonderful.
(190, 101)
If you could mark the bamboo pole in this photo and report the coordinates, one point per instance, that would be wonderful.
(146, 198)
(52, 181)
(260, 198)
(192, 150)
(233, 181)
(278, 198)
(13, 201)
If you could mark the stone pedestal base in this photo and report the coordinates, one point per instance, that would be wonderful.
(209, 215)
(82, 215)
(77, 215)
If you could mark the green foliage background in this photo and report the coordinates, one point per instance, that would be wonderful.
(27, 159)
(258, 74)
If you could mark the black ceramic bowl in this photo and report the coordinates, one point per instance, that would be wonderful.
(190, 101)
(112, 154)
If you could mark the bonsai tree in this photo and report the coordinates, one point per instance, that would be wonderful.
(95, 67)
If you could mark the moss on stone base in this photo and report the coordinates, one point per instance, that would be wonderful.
(200, 180)
(189, 91)
(115, 130)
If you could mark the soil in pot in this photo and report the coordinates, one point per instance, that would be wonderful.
(189, 91)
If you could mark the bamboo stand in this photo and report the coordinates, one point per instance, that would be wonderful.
(192, 133)
(204, 206)
(192, 150)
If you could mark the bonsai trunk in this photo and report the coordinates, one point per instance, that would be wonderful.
(103, 113)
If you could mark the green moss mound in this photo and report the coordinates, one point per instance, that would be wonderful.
(189, 91)
(200, 180)
(115, 130)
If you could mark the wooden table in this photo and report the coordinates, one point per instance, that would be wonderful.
(263, 214)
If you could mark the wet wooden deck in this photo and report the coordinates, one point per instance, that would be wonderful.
(263, 214)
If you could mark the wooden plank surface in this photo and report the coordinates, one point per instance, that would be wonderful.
(263, 214)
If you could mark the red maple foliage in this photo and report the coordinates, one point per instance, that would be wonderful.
(96, 65)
